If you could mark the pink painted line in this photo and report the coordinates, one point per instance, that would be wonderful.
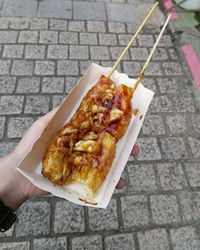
(168, 5)
(193, 63)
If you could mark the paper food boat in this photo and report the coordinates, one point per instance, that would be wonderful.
(31, 165)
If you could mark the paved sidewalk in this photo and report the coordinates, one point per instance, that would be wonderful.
(159, 209)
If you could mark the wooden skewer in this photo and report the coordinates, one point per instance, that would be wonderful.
(151, 54)
(132, 39)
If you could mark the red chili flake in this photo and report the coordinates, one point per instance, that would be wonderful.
(141, 117)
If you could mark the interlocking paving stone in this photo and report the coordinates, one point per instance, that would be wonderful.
(172, 68)
(35, 51)
(96, 26)
(11, 104)
(164, 209)
(67, 68)
(57, 52)
(22, 124)
(153, 69)
(99, 53)
(7, 147)
(24, 245)
(174, 148)
(58, 24)
(68, 37)
(78, 26)
(7, 84)
(171, 176)
(55, 9)
(116, 52)
(132, 68)
(68, 218)
(194, 145)
(4, 22)
(193, 172)
(2, 125)
(177, 124)
(59, 243)
(70, 82)
(149, 149)
(52, 85)
(13, 51)
(125, 38)
(119, 241)
(21, 24)
(115, 27)
(28, 85)
(17, 8)
(149, 82)
(184, 238)
(141, 177)
(119, 12)
(153, 125)
(168, 85)
(93, 242)
(165, 41)
(160, 54)
(37, 104)
(161, 104)
(22, 68)
(57, 100)
(44, 68)
(4, 67)
(48, 37)
(134, 211)
(88, 38)
(7, 233)
(155, 239)
(145, 40)
(140, 54)
(83, 10)
(103, 219)
(28, 36)
(78, 52)
(173, 54)
(107, 39)
(38, 24)
(34, 219)
(184, 103)
(196, 123)
(84, 65)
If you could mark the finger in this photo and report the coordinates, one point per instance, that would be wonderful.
(135, 151)
(121, 183)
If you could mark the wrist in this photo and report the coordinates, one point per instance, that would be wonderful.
(11, 192)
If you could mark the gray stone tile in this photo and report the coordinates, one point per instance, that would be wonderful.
(8, 36)
(125, 38)
(13, 51)
(48, 37)
(23, 245)
(57, 100)
(153, 69)
(53, 85)
(38, 24)
(96, 26)
(35, 52)
(184, 103)
(7, 84)
(196, 123)
(78, 26)
(56, 24)
(140, 54)
(11, 104)
(149, 149)
(155, 239)
(18, 126)
(4, 21)
(93, 242)
(172, 69)
(37, 104)
(134, 211)
(6, 148)
(2, 125)
(21, 23)
(141, 177)
(174, 148)
(84, 65)
(103, 219)
(67, 68)
(44, 68)
(4, 67)
(59, 243)
(57, 52)
(119, 12)
(184, 238)
(132, 68)
(195, 146)
(116, 52)
(193, 172)
(19, 8)
(161, 104)
(168, 85)
(145, 40)
(68, 37)
(171, 176)
(68, 218)
(88, 38)
(78, 52)
(119, 241)
(34, 219)
(28, 85)
(153, 125)
(7, 233)
(149, 82)
(28, 36)
(173, 54)
(107, 39)
(177, 124)
(165, 41)
(83, 10)
(70, 83)
(99, 53)
(164, 209)
(160, 54)
(55, 9)
(22, 68)
(115, 27)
